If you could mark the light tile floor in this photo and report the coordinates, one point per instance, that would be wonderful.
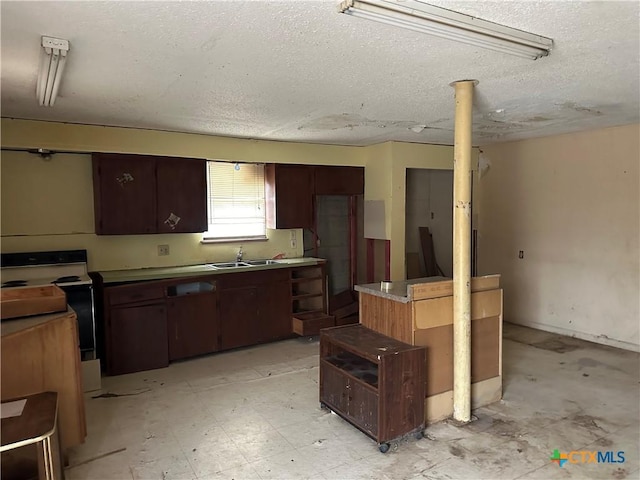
(254, 414)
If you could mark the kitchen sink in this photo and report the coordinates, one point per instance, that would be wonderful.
(248, 263)
(261, 262)
(228, 265)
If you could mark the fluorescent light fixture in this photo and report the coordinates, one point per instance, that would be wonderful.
(421, 17)
(54, 57)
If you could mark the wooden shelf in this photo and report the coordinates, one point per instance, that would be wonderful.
(304, 279)
(299, 312)
(302, 296)
(356, 367)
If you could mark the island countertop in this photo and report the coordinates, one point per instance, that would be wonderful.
(19, 324)
(161, 273)
(398, 291)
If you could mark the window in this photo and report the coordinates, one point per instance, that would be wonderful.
(235, 201)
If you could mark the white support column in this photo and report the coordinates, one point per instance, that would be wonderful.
(462, 250)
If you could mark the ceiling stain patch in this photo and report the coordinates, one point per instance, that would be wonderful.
(348, 121)
(582, 109)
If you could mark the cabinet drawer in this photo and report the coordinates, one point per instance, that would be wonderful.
(311, 323)
(122, 295)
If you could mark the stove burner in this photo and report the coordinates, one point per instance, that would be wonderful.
(67, 279)
(14, 283)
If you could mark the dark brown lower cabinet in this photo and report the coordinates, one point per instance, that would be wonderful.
(274, 311)
(374, 382)
(138, 338)
(239, 322)
(192, 325)
(148, 324)
(254, 307)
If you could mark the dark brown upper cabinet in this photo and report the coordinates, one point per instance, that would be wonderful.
(141, 194)
(289, 191)
(289, 195)
(182, 193)
(339, 180)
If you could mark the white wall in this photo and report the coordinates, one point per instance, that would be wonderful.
(571, 204)
(430, 194)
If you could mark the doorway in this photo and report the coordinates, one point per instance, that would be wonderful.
(429, 203)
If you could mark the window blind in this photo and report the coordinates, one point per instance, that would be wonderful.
(235, 200)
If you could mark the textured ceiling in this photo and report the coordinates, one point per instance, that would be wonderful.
(299, 71)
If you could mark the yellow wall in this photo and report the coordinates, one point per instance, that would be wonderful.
(49, 204)
(89, 138)
(571, 204)
(386, 179)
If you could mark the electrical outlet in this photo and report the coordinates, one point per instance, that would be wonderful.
(294, 243)
(521, 254)
(163, 250)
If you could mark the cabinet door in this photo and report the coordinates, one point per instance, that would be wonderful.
(138, 338)
(334, 387)
(274, 304)
(193, 325)
(124, 194)
(363, 407)
(289, 196)
(339, 180)
(239, 324)
(182, 195)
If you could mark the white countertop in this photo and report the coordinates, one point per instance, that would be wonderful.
(398, 291)
(12, 325)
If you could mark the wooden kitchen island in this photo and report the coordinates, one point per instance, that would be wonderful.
(40, 354)
(420, 312)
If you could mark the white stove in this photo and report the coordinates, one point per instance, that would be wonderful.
(68, 270)
(33, 275)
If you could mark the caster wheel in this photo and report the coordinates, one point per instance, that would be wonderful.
(323, 407)
(384, 447)
(419, 435)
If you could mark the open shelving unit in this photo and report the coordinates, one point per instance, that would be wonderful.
(309, 300)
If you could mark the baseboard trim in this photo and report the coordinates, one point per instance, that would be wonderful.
(602, 340)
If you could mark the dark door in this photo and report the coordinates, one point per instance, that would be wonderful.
(239, 325)
(138, 338)
(193, 326)
(182, 195)
(124, 194)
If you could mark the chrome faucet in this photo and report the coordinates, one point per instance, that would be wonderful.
(239, 254)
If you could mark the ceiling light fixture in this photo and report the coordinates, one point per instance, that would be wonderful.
(421, 17)
(54, 57)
